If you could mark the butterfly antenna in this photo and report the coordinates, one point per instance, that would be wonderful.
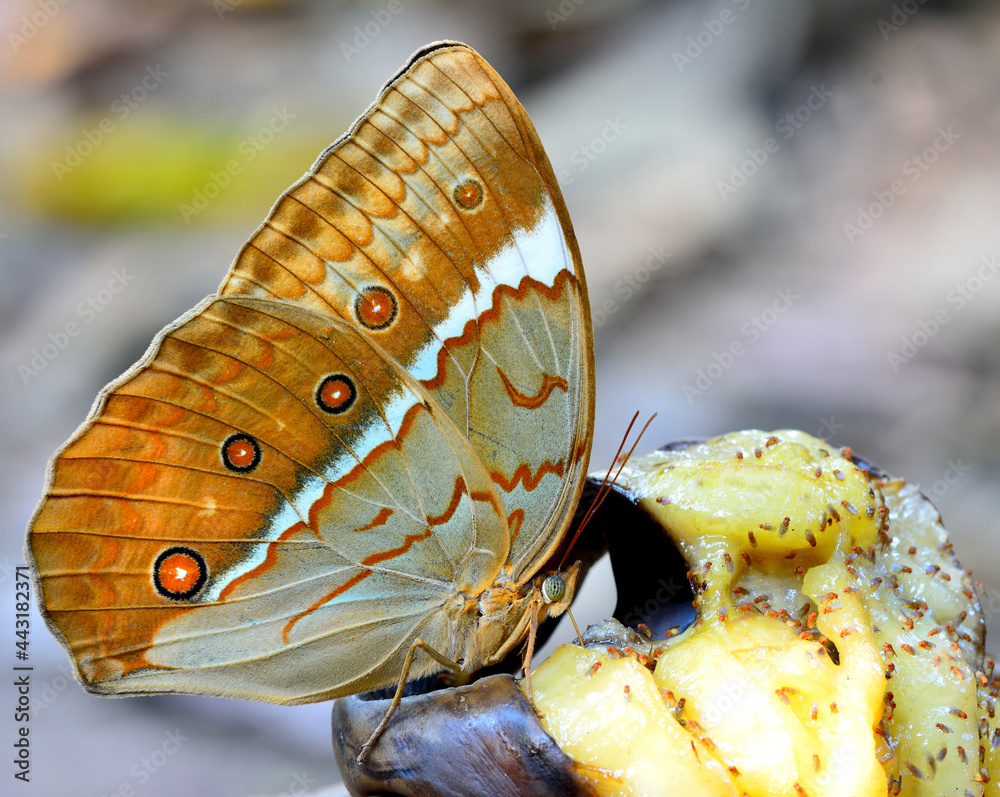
(608, 481)
(603, 490)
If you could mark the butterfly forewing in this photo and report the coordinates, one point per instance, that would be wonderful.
(386, 411)
(493, 317)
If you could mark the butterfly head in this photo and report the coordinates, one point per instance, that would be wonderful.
(555, 590)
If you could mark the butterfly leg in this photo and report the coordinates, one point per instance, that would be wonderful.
(529, 648)
(398, 697)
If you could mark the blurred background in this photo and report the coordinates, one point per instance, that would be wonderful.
(788, 215)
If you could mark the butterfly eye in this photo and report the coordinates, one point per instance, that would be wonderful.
(240, 453)
(336, 394)
(468, 195)
(553, 588)
(376, 308)
(179, 573)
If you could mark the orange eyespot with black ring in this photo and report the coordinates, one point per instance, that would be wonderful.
(179, 573)
(376, 308)
(336, 394)
(241, 453)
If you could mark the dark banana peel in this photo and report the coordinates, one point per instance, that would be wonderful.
(468, 741)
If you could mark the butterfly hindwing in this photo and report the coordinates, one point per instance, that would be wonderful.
(337, 529)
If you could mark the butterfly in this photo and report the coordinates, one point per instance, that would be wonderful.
(371, 440)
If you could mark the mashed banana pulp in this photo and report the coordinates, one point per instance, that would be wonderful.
(838, 648)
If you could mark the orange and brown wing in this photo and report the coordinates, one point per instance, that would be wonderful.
(390, 404)
(268, 507)
(437, 226)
